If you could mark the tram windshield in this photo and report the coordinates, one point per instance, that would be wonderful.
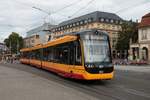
(96, 48)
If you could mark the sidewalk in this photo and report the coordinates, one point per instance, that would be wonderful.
(140, 68)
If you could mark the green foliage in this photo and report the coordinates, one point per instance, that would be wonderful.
(129, 31)
(14, 42)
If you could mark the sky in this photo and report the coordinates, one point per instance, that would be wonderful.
(23, 15)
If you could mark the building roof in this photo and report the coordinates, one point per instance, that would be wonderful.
(145, 21)
(95, 16)
(44, 27)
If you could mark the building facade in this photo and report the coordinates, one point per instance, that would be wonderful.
(105, 21)
(38, 35)
(3, 50)
(141, 50)
(31, 41)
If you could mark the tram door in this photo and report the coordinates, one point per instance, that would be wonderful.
(74, 56)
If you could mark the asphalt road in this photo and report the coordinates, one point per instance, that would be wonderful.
(23, 82)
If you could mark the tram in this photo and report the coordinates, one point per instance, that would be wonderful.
(84, 55)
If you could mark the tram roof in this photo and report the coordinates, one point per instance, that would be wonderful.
(36, 47)
(64, 39)
(25, 49)
(31, 48)
(61, 40)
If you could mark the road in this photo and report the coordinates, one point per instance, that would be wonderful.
(23, 82)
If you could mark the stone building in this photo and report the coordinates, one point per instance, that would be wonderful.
(105, 21)
(141, 50)
(38, 35)
(31, 41)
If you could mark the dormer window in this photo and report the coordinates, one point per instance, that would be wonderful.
(81, 22)
(64, 27)
(102, 19)
(120, 22)
(70, 25)
(90, 20)
(85, 21)
(59, 28)
(77, 23)
(107, 20)
(111, 20)
(74, 24)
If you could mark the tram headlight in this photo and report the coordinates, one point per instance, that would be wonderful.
(100, 66)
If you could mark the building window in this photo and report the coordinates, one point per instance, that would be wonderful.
(59, 29)
(144, 34)
(120, 22)
(74, 24)
(107, 20)
(114, 41)
(111, 20)
(32, 41)
(102, 19)
(90, 20)
(81, 22)
(37, 36)
(109, 26)
(85, 21)
(92, 25)
(70, 25)
(115, 35)
(64, 27)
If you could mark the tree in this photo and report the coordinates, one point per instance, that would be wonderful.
(129, 31)
(14, 42)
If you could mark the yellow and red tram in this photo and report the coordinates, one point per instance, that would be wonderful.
(82, 55)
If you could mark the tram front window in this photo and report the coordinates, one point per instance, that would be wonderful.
(96, 49)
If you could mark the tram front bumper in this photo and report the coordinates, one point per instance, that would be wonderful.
(103, 76)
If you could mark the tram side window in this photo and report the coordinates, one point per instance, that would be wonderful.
(50, 54)
(78, 54)
(38, 54)
(23, 54)
(45, 54)
(67, 53)
(61, 54)
(26, 55)
(64, 55)
(32, 55)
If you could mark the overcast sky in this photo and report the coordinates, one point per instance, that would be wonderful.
(21, 16)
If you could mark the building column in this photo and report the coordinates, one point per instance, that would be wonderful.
(140, 53)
